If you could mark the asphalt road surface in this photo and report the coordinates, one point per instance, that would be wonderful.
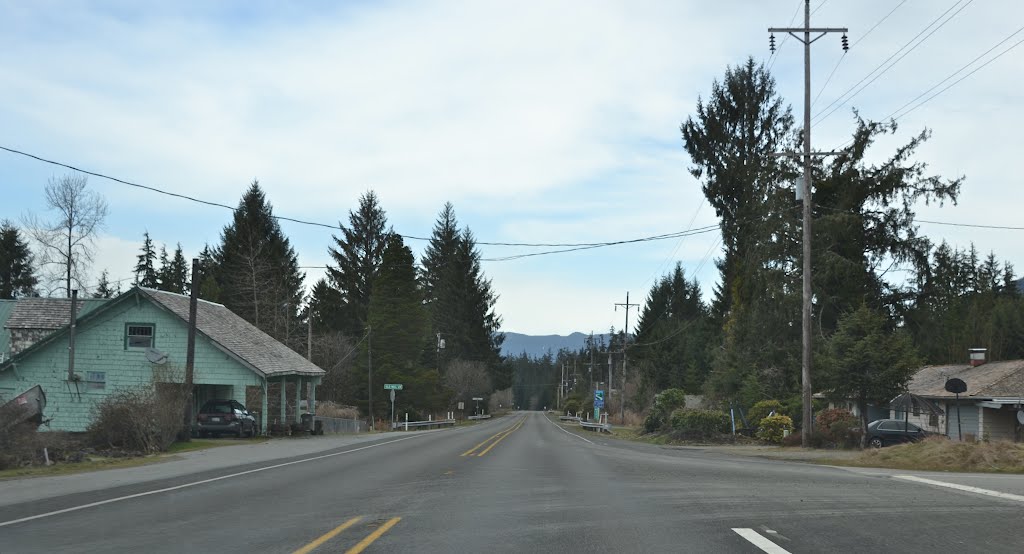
(519, 484)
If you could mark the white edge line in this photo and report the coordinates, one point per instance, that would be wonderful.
(965, 488)
(564, 430)
(759, 541)
(204, 481)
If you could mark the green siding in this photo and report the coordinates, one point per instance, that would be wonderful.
(99, 346)
(6, 307)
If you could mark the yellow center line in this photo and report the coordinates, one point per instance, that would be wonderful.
(328, 536)
(471, 450)
(495, 443)
(373, 536)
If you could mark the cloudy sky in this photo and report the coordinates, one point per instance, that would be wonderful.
(553, 121)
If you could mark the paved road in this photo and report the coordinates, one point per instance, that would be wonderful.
(519, 484)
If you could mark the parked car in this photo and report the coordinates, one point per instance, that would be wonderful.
(218, 417)
(886, 432)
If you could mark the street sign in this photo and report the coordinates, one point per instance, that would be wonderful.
(462, 405)
(392, 396)
(599, 399)
(392, 386)
(478, 399)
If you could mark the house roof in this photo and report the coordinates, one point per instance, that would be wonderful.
(237, 336)
(6, 307)
(989, 380)
(47, 313)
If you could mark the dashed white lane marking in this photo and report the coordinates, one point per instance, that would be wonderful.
(565, 431)
(759, 541)
(186, 485)
(965, 488)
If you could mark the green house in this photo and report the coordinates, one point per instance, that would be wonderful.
(140, 339)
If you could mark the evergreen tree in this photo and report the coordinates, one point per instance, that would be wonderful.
(358, 255)
(174, 275)
(163, 277)
(104, 289)
(257, 269)
(325, 306)
(399, 335)
(441, 249)
(145, 270)
(208, 275)
(17, 276)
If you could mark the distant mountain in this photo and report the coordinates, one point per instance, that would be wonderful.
(536, 346)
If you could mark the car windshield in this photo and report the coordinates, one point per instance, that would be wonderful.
(218, 408)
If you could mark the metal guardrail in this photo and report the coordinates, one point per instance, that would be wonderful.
(437, 423)
(569, 418)
(599, 427)
(482, 416)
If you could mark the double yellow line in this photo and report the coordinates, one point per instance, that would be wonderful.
(360, 546)
(494, 439)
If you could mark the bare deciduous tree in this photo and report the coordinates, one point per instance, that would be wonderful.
(67, 242)
(467, 379)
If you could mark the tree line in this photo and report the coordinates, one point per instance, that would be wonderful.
(429, 325)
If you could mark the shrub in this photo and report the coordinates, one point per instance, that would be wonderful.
(572, 406)
(761, 410)
(704, 423)
(665, 402)
(839, 427)
(146, 419)
(772, 428)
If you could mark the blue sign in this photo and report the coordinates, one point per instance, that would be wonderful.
(599, 399)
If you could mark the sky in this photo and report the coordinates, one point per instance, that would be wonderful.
(541, 121)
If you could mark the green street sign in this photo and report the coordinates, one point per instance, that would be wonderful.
(392, 386)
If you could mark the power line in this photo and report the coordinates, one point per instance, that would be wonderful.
(971, 225)
(571, 245)
(698, 231)
(775, 53)
(853, 91)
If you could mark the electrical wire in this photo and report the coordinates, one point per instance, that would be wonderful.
(882, 68)
(775, 55)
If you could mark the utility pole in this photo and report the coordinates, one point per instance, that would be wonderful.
(625, 342)
(803, 34)
(608, 396)
(71, 336)
(369, 375)
(190, 350)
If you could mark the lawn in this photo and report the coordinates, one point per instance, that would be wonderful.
(942, 454)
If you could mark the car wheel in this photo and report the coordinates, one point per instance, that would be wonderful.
(875, 442)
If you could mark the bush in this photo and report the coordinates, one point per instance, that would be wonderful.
(572, 406)
(772, 428)
(665, 402)
(761, 410)
(146, 420)
(840, 428)
(704, 423)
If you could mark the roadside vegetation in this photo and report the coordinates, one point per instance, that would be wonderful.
(942, 454)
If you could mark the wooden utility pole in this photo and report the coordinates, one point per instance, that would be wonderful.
(71, 336)
(625, 342)
(190, 349)
(369, 375)
(803, 34)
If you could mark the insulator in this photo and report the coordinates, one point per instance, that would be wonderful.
(846, 43)
(771, 43)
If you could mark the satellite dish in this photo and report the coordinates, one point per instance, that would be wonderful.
(956, 386)
(1020, 416)
(155, 356)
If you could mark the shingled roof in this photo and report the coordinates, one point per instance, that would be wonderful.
(47, 313)
(237, 336)
(989, 380)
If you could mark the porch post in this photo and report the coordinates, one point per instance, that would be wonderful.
(981, 423)
(312, 396)
(264, 407)
(298, 396)
(284, 395)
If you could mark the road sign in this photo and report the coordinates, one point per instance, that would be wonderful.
(478, 399)
(599, 399)
(392, 386)
(392, 396)
(462, 405)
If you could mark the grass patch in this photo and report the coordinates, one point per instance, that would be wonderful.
(203, 444)
(942, 454)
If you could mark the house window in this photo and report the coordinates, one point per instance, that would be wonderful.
(138, 336)
(933, 420)
(95, 380)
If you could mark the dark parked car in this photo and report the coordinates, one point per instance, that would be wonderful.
(225, 416)
(885, 432)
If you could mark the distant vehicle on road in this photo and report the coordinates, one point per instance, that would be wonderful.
(218, 417)
(886, 432)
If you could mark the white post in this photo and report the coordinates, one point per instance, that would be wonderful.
(406, 421)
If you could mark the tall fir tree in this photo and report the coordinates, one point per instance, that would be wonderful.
(258, 271)
(163, 277)
(104, 289)
(208, 275)
(145, 266)
(357, 255)
(17, 276)
(174, 272)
